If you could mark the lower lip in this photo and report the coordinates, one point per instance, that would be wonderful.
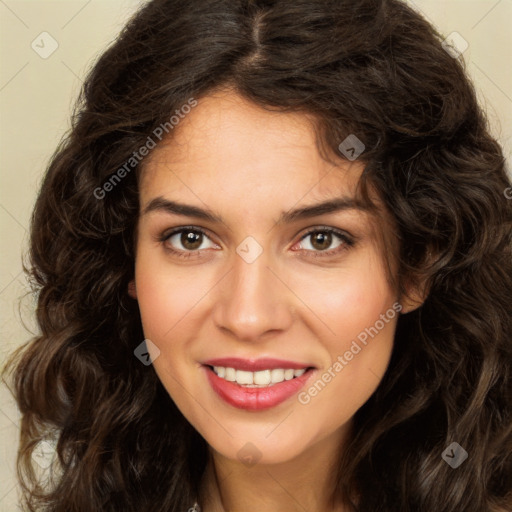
(256, 399)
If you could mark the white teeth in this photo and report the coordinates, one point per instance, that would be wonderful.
(243, 377)
(277, 375)
(288, 374)
(230, 374)
(220, 371)
(262, 378)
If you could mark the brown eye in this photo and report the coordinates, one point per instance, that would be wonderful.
(191, 240)
(321, 240)
(188, 240)
(325, 241)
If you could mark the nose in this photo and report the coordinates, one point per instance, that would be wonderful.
(253, 302)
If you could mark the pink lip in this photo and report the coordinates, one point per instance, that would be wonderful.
(254, 365)
(255, 399)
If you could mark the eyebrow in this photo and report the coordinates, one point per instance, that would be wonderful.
(160, 204)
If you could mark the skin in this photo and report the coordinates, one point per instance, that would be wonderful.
(249, 165)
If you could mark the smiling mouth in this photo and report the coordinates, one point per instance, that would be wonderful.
(260, 379)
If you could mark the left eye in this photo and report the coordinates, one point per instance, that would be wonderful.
(322, 240)
(190, 240)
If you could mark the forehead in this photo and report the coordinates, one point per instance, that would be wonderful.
(232, 144)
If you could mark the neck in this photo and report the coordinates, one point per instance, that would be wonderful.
(306, 482)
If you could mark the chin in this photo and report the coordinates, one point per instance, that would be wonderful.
(252, 446)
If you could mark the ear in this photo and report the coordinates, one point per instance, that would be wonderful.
(414, 296)
(132, 290)
(417, 285)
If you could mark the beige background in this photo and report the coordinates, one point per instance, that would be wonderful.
(36, 95)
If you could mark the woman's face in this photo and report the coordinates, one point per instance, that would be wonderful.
(239, 267)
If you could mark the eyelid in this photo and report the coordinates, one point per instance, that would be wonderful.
(178, 229)
(346, 238)
(330, 229)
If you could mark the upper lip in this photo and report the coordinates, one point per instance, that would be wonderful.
(254, 365)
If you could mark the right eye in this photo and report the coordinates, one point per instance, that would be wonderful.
(185, 241)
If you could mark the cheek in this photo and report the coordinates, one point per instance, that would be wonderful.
(166, 295)
(357, 362)
(167, 303)
(357, 308)
(349, 300)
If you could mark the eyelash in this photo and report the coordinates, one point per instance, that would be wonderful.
(347, 241)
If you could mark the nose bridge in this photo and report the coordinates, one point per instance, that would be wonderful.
(253, 301)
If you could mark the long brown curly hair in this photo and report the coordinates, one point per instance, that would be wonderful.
(374, 68)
